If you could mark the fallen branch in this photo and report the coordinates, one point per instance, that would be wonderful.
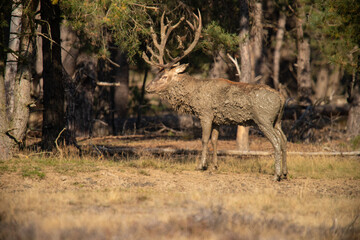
(56, 143)
(119, 150)
(133, 150)
(352, 153)
(107, 84)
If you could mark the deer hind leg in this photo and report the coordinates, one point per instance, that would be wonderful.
(283, 149)
(206, 131)
(276, 140)
(214, 139)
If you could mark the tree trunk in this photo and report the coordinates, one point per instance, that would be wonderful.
(334, 81)
(22, 98)
(257, 42)
(18, 89)
(79, 86)
(70, 49)
(80, 98)
(277, 51)
(353, 122)
(12, 59)
(242, 136)
(219, 67)
(53, 115)
(141, 100)
(7, 83)
(245, 64)
(303, 59)
(37, 81)
(121, 93)
(22, 86)
(103, 117)
(5, 141)
(322, 82)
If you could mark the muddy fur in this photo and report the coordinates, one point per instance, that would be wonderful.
(222, 102)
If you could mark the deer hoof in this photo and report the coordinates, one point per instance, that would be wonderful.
(285, 176)
(215, 168)
(277, 178)
(202, 168)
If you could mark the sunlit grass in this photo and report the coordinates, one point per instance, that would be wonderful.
(34, 165)
(315, 167)
(324, 167)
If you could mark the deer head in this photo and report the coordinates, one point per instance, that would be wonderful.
(160, 57)
(165, 77)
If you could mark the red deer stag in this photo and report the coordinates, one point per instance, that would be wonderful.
(215, 101)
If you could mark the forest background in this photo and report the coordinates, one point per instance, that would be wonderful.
(74, 67)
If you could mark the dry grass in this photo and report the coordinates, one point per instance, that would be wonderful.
(319, 167)
(147, 197)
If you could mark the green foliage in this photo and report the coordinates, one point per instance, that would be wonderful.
(216, 38)
(101, 21)
(336, 30)
(126, 23)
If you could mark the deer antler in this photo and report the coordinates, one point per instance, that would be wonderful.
(158, 56)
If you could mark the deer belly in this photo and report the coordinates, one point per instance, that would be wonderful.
(233, 118)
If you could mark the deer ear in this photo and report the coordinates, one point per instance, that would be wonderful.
(181, 68)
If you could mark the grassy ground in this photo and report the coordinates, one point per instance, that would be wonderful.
(146, 197)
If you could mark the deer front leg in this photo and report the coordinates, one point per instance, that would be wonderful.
(214, 139)
(206, 131)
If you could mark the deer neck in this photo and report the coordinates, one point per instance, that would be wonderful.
(178, 93)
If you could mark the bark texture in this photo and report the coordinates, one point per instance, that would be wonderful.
(277, 51)
(242, 135)
(121, 93)
(11, 67)
(245, 42)
(334, 81)
(53, 87)
(80, 71)
(322, 82)
(22, 86)
(70, 49)
(17, 86)
(303, 60)
(353, 123)
(5, 141)
(80, 99)
(219, 66)
(257, 42)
